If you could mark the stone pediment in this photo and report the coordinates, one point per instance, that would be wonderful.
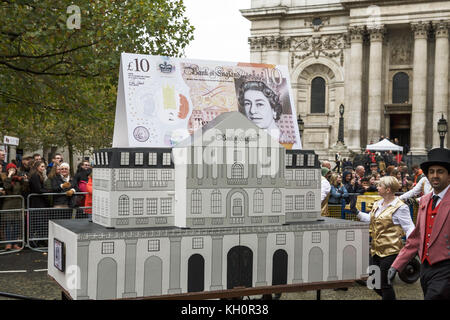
(230, 127)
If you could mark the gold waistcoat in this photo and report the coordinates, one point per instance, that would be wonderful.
(386, 237)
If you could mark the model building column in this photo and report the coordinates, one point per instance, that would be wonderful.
(332, 254)
(262, 258)
(175, 265)
(130, 269)
(440, 78)
(375, 66)
(419, 98)
(353, 117)
(216, 263)
(83, 265)
(298, 252)
(365, 252)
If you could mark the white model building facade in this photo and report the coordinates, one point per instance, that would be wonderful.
(227, 207)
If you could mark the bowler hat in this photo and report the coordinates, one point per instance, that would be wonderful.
(437, 156)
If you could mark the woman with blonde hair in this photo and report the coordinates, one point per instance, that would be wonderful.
(337, 191)
(389, 220)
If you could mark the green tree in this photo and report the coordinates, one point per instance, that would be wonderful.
(59, 63)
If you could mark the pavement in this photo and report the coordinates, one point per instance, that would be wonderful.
(25, 273)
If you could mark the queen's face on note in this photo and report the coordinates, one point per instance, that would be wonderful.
(258, 109)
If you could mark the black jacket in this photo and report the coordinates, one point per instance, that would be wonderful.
(37, 186)
(57, 181)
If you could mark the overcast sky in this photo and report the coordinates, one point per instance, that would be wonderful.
(221, 32)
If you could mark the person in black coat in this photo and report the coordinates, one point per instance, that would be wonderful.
(63, 183)
(36, 184)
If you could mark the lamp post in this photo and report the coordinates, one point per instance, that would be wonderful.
(341, 124)
(442, 129)
(301, 125)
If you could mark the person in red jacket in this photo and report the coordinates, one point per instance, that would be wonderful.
(88, 198)
(430, 238)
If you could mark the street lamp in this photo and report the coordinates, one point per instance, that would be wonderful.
(301, 125)
(341, 124)
(442, 129)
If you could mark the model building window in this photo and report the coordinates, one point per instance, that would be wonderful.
(299, 175)
(299, 202)
(281, 239)
(152, 175)
(197, 243)
(350, 235)
(237, 207)
(289, 203)
(152, 206)
(95, 159)
(288, 160)
(318, 95)
(310, 199)
(216, 202)
(106, 158)
(311, 158)
(400, 88)
(124, 158)
(166, 205)
(101, 159)
(138, 207)
(315, 237)
(153, 245)
(107, 247)
(276, 200)
(310, 175)
(300, 160)
(196, 202)
(258, 201)
(152, 159)
(166, 159)
(166, 175)
(139, 158)
(124, 205)
(237, 171)
(124, 175)
(138, 175)
(237, 156)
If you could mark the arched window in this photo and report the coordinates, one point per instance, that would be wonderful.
(124, 205)
(216, 202)
(237, 171)
(276, 200)
(310, 199)
(400, 88)
(196, 202)
(258, 201)
(318, 95)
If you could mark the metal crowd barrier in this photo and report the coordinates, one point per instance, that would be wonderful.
(37, 218)
(12, 225)
(342, 210)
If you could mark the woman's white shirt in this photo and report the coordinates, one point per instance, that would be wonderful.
(400, 217)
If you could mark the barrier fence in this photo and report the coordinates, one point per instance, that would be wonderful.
(12, 223)
(27, 226)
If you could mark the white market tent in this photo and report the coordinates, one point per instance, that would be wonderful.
(384, 145)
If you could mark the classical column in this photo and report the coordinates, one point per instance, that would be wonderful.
(332, 263)
(419, 98)
(298, 255)
(216, 263)
(273, 44)
(440, 78)
(175, 265)
(375, 68)
(83, 270)
(355, 110)
(255, 49)
(130, 269)
(261, 263)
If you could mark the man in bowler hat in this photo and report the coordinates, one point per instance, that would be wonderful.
(430, 238)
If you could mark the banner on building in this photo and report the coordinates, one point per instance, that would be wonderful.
(162, 100)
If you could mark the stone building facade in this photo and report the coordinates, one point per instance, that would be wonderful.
(386, 61)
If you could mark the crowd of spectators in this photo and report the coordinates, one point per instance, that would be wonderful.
(361, 175)
(34, 176)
